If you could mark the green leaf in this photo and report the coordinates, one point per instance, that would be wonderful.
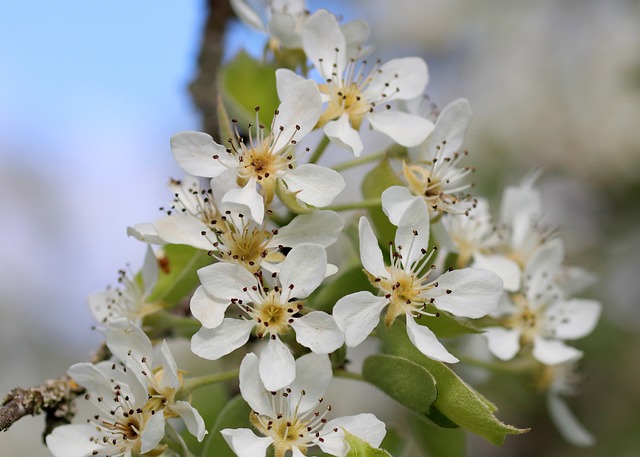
(349, 281)
(235, 414)
(381, 177)
(246, 83)
(456, 399)
(436, 441)
(360, 448)
(401, 379)
(178, 277)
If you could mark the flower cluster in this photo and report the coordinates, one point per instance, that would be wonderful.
(241, 265)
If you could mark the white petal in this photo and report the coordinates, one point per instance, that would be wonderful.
(365, 426)
(225, 281)
(405, 129)
(395, 201)
(553, 352)
(247, 14)
(566, 423)
(357, 315)
(145, 232)
(319, 332)
(191, 417)
(184, 229)
(370, 253)
(297, 114)
(412, 236)
(249, 197)
(208, 310)
(251, 386)
(341, 133)
(99, 304)
(303, 269)
(314, 184)
(245, 443)
(320, 227)
(355, 34)
(469, 292)
(277, 366)
(503, 343)
(149, 270)
(518, 202)
(214, 343)
(282, 27)
(71, 440)
(129, 343)
(313, 375)
(577, 319)
(170, 376)
(451, 126)
(153, 432)
(505, 268)
(427, 342)
(321, 36)
(285, 82)
(408, 74)
(195, 151)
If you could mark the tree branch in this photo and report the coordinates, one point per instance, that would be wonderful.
(204, 91)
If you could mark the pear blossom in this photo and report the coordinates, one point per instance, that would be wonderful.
(133, 398)
(271, 311)
(283, 20)
(406, 288)
(267, 160)
(290, 419)
(130, 299)
(540, 316)
(351, 94)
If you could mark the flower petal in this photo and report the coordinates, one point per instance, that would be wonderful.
(469, 292)
(149, 270)
(297, 114)
(195, 152)
(145, 232)
(405, 129)
(566, 422)
(324, 44)
(208, 310)
(251, 386)
(313, 376)
(427, 342)
(245, 443)
(303, 269)
(357, 315)
(365, 426)
(503, 343)
(576, 318)
(71, 440)
(395, 201)
(192, 419)
(341, 133)
(225, 281)
(412, 236)
(285, 82)
(553, 352)
(318, 331)
(449, 131)
(505, 268)
(129, 343)
(277, 366)
(247, 14)
(217, 342)
(320, 227)
(314, 184)
(403, 79)
(249, 197)
(170, 377)
(184, 229)
(370, 253)
(355, 35)
(152, 433)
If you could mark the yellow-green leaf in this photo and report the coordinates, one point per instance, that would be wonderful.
(360, 448)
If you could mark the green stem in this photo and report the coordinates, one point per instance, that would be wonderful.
(348, 375)
(322, 145)
(368, 203)
(359, 161)
(191, 384)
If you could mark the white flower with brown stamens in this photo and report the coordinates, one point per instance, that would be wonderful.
(271, 311)
(133, 398)
(351, 93)
(129, 299)
(406, 288)
(539, 316)
(292, 419)
(266, 158)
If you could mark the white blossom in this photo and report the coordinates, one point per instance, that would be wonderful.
(405, 286)
(270, 311)
(291, 418)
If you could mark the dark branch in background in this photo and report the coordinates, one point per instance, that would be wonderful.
(204, 91)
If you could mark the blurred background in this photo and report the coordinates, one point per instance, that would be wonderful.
(90, 93)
